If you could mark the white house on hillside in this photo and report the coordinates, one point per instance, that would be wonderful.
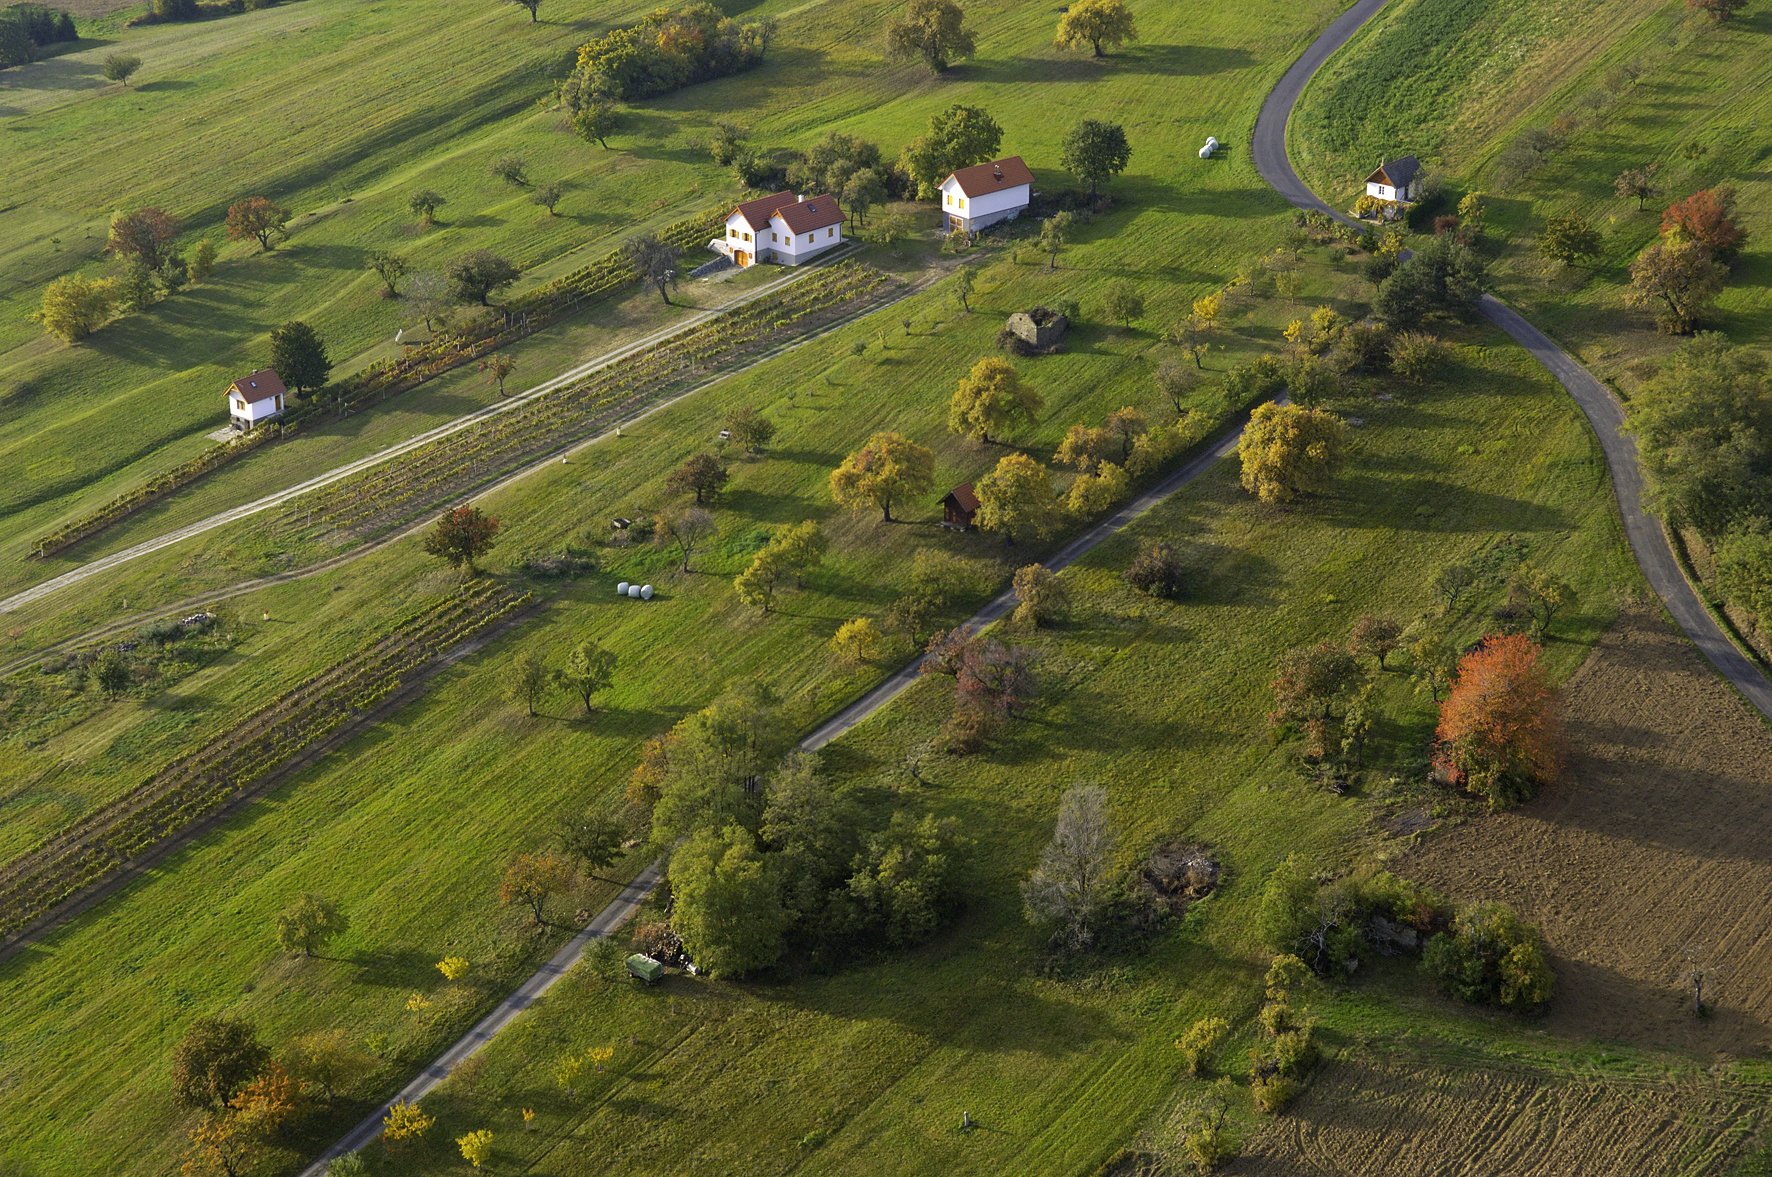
(782, 227)
(255, 398)
(1395, 180)
(986, 193)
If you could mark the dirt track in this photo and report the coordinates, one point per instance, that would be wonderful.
(1659, 838)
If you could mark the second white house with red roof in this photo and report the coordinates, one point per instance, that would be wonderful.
(986, 193)
(782, 227)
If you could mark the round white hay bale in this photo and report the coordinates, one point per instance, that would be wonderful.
(634, 591)
(645, 592)
(621, 590)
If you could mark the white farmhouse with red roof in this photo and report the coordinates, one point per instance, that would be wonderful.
(255, 398)
(986, 193)
(782, 227)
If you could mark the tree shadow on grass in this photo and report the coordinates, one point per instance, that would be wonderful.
(1366, 501)
(394, 967)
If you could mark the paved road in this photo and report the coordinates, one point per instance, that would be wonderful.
(1648, 540)
(608, 920)
(278, 498)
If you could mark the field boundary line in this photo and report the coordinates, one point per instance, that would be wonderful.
(1598, 404)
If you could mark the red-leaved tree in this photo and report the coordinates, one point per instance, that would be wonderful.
(1706, 217)
(1500, 733)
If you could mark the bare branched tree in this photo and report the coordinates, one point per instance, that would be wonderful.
(1074, 880)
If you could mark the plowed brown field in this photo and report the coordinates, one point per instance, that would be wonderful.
(1658, 840)
(1387, 1118)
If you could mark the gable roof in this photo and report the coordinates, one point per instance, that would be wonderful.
(1398, 173)
(756, 212)
(964, 497)
(817, 212)
(999, 175)
(262, 385)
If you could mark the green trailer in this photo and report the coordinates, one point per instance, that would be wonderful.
(644, 968)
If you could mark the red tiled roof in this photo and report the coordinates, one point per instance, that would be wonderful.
(803, 216)
(985, 178)
(757, 212)
(964, 497)
(260, 386)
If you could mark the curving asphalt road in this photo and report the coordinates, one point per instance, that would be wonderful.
(1648, 540)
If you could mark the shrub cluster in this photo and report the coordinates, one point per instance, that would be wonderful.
(668, 50)
(26, 28)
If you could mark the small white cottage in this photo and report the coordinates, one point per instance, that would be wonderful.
(782, 227)
(1395, 180)
(255, 398)
(986, 193)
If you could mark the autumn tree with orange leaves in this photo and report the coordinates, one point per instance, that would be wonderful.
(1707, 217)
(1499, 733)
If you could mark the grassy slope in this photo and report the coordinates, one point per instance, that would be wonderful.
(1704, 88)
(383, 826)
(869, 1071)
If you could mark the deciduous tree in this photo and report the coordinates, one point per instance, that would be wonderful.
(1121, 303)
(958, 137)
(216, 1058)
(653, 261)
(1016, 501)
(405, 1121)
(1707, 218)
(1541, 593)
(1156, 569)
(683, 528)
(1568, 237)
(1053, 231)
(258, 218)
(1070, 888)
(1287, 451)
(120, 67)
(1717, 10)
(497, 368)
(701, 475)
(548, 194)
(390, 268)
(589, 668)
(530, 879)
(310, 923)
(933, 30)
(750, 428)
(593, 840)
(525, 681)
(1638, 183)
(863, 192)
(990, 398)
(1309, 683)
(327, 1059)
(475, 275)
(1096, 23)
(1095, 151)
(1499, 733)
(1679, 279)
(462, 536)
(533, 7)
(1376, 636)
(74, 306)
(726, 903)
(145, 235)
(1040, 596)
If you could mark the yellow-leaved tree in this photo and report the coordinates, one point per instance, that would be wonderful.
(1288, 450)
(889, 468)
(990, 398)
(476, 1146)
(1016, 500)
(405, 1121)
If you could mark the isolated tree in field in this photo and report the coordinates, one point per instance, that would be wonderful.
(596, 120)
(327, 1059)
(701, 475)
(476, 1146)
(1175, 382)
(1376, 636)
(1717, 10)
(1706, 217)
(1309, 683)
(1095, 151)
(653, 261)
(259, 219)
(1287, 451)
(1157, 569)
(1568, 237)
(405, 1121)
(1432, 662)
(990, 398)
(74, 307)
(964, 279)
(1679, 280)
(726, 902)
(1541, 593)
(222, 1145)
(933, 30)
(390, 268)
(1053, 231)
(1490, 955)
(462, 536)
(889, 468)
(476, 274)
(497, 368)
(858, 641)
(1451, 582)
(533, 7)
(216, 1058)
(530, 879)
(1095, 23)
(120, 67)
(1638, 183)
(1499, 731)
(727, 142)
(750, 429)
(1074, 881)
(589, 668)
(1040, 596)
(547, 195)
(309, 924)
(424, 204)
(145, 235)
(512, 169)
(202, 261)
(1015, 500)
(525, 681)
(298, 354)
(958, 137)
(428, 295)
(684, 528)
(1121, 303)
(593, 840)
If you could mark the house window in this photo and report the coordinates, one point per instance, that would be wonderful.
(960, 202)
(773, 237)
(830, 232)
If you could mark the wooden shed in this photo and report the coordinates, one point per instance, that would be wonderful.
(958, 507)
